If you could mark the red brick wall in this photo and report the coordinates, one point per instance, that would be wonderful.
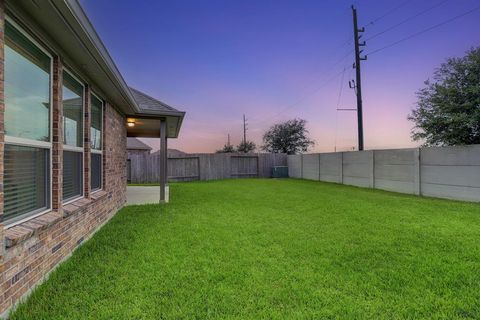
(57, 136)
(33, 248)
(48, 239)
(115, 154)
(2, 132)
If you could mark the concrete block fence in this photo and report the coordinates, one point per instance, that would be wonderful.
(443, 172)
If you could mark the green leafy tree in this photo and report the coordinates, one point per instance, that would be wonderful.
(246, 146)
(448, 108)
(227, 148)
(289, 137)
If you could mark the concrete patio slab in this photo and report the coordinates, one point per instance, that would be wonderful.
(143, 195)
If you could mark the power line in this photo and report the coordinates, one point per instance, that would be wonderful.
(387, 13)
(341, 88)
(342, 58)
(424, 30)
(244, 130)
(329, 80)
(407, 20)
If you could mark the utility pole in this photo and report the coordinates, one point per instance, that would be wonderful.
(228, 139)
(358, 83)
(244, 130)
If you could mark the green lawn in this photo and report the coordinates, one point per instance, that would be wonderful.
(273, 249)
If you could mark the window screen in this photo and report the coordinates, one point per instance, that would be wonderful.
(72, 174)
(72, 111)
(26, 181)
(72, 137)
(27, 126)
(27, 88)
(96, 125)
(96, 176)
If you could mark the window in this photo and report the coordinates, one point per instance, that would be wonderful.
(96, 177)
(72, 175)
(96, 142)
(27, 126)
(72, 91)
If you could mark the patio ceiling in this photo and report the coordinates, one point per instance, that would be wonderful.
(150, 127)
(146, 122)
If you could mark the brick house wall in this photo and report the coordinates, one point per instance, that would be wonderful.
(2, 145)
(32, 249)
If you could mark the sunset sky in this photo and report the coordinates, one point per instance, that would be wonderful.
(275, 60)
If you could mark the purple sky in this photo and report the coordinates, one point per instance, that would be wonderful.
(275, 60)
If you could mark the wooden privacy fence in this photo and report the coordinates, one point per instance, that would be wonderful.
(443, 172)
(143, 168)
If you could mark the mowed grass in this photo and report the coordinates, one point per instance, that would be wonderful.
(273, 249)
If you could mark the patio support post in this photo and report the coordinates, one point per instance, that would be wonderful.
(163, 162)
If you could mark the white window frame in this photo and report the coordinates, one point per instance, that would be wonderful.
(96, 151)
(17, 141)
(81, 149)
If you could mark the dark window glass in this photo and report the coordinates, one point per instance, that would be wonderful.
(26, 181)
(72, 111)
(72, 174)
(27, 88)
(96, 176)
(96, 126)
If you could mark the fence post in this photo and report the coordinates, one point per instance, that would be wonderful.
(301, 165)
(417, 171)
(319, 166)
(372, 169)
(341, 167)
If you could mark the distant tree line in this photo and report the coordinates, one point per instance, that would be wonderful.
(288, 137)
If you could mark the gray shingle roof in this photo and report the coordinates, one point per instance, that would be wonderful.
(149, 104)
(135, 144)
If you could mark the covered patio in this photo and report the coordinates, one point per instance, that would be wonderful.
(154, 120)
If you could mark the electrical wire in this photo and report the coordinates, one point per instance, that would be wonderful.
(424, 31)
(341, 88)
(338, 104)
(293, 105)
(407, 20)
(387, 13)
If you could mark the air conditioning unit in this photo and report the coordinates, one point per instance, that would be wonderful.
(279, 172)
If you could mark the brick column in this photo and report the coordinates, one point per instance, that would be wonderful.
(2, 131)
(106, 106)
(86, 143)
(57, 138)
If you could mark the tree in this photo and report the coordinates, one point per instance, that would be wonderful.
(246, 146)
(289, 137)
(227, 148)
(448, 108)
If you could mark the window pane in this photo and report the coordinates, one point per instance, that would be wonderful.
(96, 176)
(72, 174)
(26, 181)
(72, 111)
(96, 127)
(27, 88)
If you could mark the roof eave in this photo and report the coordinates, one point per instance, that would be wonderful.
(96, 45)
(180, 115)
